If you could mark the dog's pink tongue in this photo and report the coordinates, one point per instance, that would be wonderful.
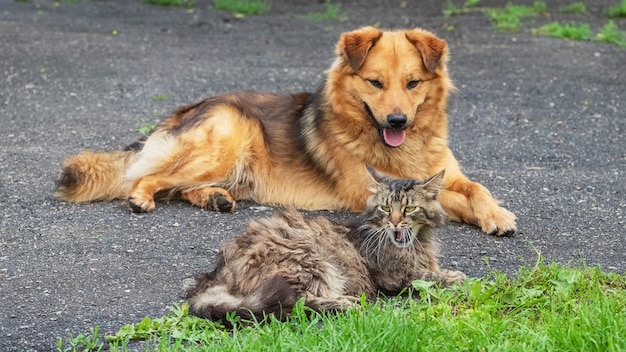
(393, 138)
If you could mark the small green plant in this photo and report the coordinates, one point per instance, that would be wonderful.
(617, 10)
(578, 8)
(568, 31)
(162, 97)
(244, 7)
(84, 343)
(611, 34)
(173, 3)
(454, 10)
(146, 127)
(332, 13)
(508, 19)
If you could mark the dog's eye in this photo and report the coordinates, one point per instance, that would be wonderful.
(376, 83)
(412, 84)
(385, 208)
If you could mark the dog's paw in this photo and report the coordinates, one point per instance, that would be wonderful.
(220, 202)
(140, 204)
(210, 198)
(499, 223)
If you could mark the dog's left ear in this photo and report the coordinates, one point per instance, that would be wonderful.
(432, 48)
(354, 46)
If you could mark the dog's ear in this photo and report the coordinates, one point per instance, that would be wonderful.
(434, 50)
(354, 46)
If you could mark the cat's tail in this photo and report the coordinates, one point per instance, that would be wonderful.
(91, 176)
(274, 296)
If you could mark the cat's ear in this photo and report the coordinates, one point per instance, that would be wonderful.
(433, 185)
(377, 175)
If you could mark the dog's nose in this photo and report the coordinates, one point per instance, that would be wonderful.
(396, 120)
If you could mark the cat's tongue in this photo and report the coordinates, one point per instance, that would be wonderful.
(400, 236)
(393, 138)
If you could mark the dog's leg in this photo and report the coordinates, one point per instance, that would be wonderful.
(471, 202)
(210, 198)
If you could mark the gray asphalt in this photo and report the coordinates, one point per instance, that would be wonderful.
(539, 121)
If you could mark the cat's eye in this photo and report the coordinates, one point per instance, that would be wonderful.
(412, 84)
(385, 208)
(409, 209)
(376, 83)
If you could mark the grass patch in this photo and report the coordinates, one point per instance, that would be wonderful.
(546, 307)
(332, 13)
(146, 127)
(617, 10)
(577, 8)
(568, 31)
(172, 3)
(611, 34)
(508, 19)
(244, 7)
(454, 10)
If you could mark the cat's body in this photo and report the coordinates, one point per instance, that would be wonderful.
(283, 258)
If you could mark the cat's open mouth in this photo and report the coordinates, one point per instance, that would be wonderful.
(401, 238)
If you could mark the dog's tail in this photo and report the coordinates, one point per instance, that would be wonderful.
(91, 176)
(275, 296)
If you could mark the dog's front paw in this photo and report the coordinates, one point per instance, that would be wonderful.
(500, 222)
(220, 202)
(211, 198)
(140, 204)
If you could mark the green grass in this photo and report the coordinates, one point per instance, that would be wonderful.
(568, 31)
(244, 7)
(578, 8)
(508, 19)
(162, 97)
(454, 10)
(547, 307)
(332, 13)
(173, 3)
(617, 10)
(611, 34)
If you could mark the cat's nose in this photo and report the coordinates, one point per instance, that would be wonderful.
(395, 218)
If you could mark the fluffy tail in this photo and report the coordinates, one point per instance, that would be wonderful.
(91, 176)
(274, 296)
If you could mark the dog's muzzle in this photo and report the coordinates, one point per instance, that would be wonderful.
(393, 134)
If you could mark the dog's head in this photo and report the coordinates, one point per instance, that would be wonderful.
(392, 75)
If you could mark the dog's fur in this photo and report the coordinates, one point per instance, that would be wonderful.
(383, 103)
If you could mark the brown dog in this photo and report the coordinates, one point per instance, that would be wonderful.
(383, 104)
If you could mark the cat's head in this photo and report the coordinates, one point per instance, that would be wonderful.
(401, 209)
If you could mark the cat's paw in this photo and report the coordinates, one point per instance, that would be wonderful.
(188, 284)
(499, 222)
(140, 203)
(451, 277)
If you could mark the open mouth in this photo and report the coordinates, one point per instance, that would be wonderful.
(392, 137)
(401, 238)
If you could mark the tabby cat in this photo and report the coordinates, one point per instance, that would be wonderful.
(283, 258)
